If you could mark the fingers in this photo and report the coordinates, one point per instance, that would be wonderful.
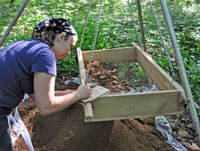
(88, 86)
(84, 91)
(92, 85)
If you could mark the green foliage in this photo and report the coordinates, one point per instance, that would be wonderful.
(67, 64)
(116, 29)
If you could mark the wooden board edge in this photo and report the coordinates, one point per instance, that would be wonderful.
(88, 112)
(111, 55)
(171, 84)
(81, 66)
(163, 106)
(131, 117)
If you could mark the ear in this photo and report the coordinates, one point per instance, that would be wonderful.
(61, 36)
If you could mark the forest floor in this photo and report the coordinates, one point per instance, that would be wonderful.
(67, 130)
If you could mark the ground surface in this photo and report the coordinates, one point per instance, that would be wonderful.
(67, 131)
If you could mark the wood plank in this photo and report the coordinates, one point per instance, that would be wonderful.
(81, 66)
(136, 105)
(162, 80)
(112, 55)
(97, 91)
(129, 117)
(88, 112)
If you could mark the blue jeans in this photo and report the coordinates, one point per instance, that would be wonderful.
(5, 138)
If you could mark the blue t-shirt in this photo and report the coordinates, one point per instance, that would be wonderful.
(18, 62)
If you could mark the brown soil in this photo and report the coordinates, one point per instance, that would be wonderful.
(66, 130)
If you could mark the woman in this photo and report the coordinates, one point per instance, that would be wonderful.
(30, 67)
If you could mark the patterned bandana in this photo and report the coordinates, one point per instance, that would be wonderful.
(57, 25)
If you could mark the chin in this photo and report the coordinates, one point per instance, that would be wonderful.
(58, 57)
(68, 53)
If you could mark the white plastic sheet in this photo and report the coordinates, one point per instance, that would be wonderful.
(19, 128)
(164, 127)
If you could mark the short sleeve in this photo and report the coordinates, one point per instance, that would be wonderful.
(44, 61)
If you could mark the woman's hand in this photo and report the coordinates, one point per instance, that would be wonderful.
(84, 91)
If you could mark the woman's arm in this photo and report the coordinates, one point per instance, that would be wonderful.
(45, 97)
(31, 96)
(59, 93)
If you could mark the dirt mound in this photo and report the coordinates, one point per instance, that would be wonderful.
(67, 130)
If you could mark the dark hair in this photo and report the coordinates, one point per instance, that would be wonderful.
(47, 30)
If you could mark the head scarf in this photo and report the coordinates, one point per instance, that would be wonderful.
(58, 25)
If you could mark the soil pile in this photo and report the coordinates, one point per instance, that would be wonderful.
(67, 130)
